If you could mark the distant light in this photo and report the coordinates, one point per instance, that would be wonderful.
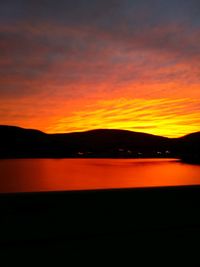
(80, 153)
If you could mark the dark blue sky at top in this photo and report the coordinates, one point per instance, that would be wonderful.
(39, 29)
(87, 11)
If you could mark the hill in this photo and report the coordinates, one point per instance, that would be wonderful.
(16, 142)
(189, 147)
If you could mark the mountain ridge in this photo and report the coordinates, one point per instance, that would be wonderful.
(93, 130)
(18, 142)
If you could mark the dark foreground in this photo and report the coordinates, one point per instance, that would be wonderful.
(137, 224)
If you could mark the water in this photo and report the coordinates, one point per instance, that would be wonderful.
(33, 175)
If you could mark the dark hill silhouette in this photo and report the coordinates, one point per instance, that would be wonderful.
(16, 142)
(111, 142)
(189, 147)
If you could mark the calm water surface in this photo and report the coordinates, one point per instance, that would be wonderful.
(30, 175)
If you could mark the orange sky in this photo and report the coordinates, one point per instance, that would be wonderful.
(126, 65)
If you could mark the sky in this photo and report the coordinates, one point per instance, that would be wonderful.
(78, 65)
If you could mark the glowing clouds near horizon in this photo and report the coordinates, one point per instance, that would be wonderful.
(165, 117)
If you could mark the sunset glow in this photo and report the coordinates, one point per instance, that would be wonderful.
(86, 65)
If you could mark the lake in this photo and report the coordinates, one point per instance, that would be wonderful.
(33, 175)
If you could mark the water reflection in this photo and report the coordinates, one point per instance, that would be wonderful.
(26, 175)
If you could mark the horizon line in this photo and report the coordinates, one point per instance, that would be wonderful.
(95, 129)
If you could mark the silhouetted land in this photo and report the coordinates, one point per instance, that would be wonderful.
(135, 224)
(146, 225)
(16, 142)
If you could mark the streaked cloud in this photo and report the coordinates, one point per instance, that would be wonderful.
(58, 57)
(157, 116)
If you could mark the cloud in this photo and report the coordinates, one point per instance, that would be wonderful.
(78, 51)
(168, 117)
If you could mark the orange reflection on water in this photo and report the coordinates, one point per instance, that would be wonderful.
(33, 175)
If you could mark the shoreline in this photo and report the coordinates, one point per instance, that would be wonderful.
(68, 214)
(136, 223)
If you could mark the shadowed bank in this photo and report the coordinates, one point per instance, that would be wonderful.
(102, 222)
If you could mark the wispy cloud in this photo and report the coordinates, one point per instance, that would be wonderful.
(56, 57)
(157, 116)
